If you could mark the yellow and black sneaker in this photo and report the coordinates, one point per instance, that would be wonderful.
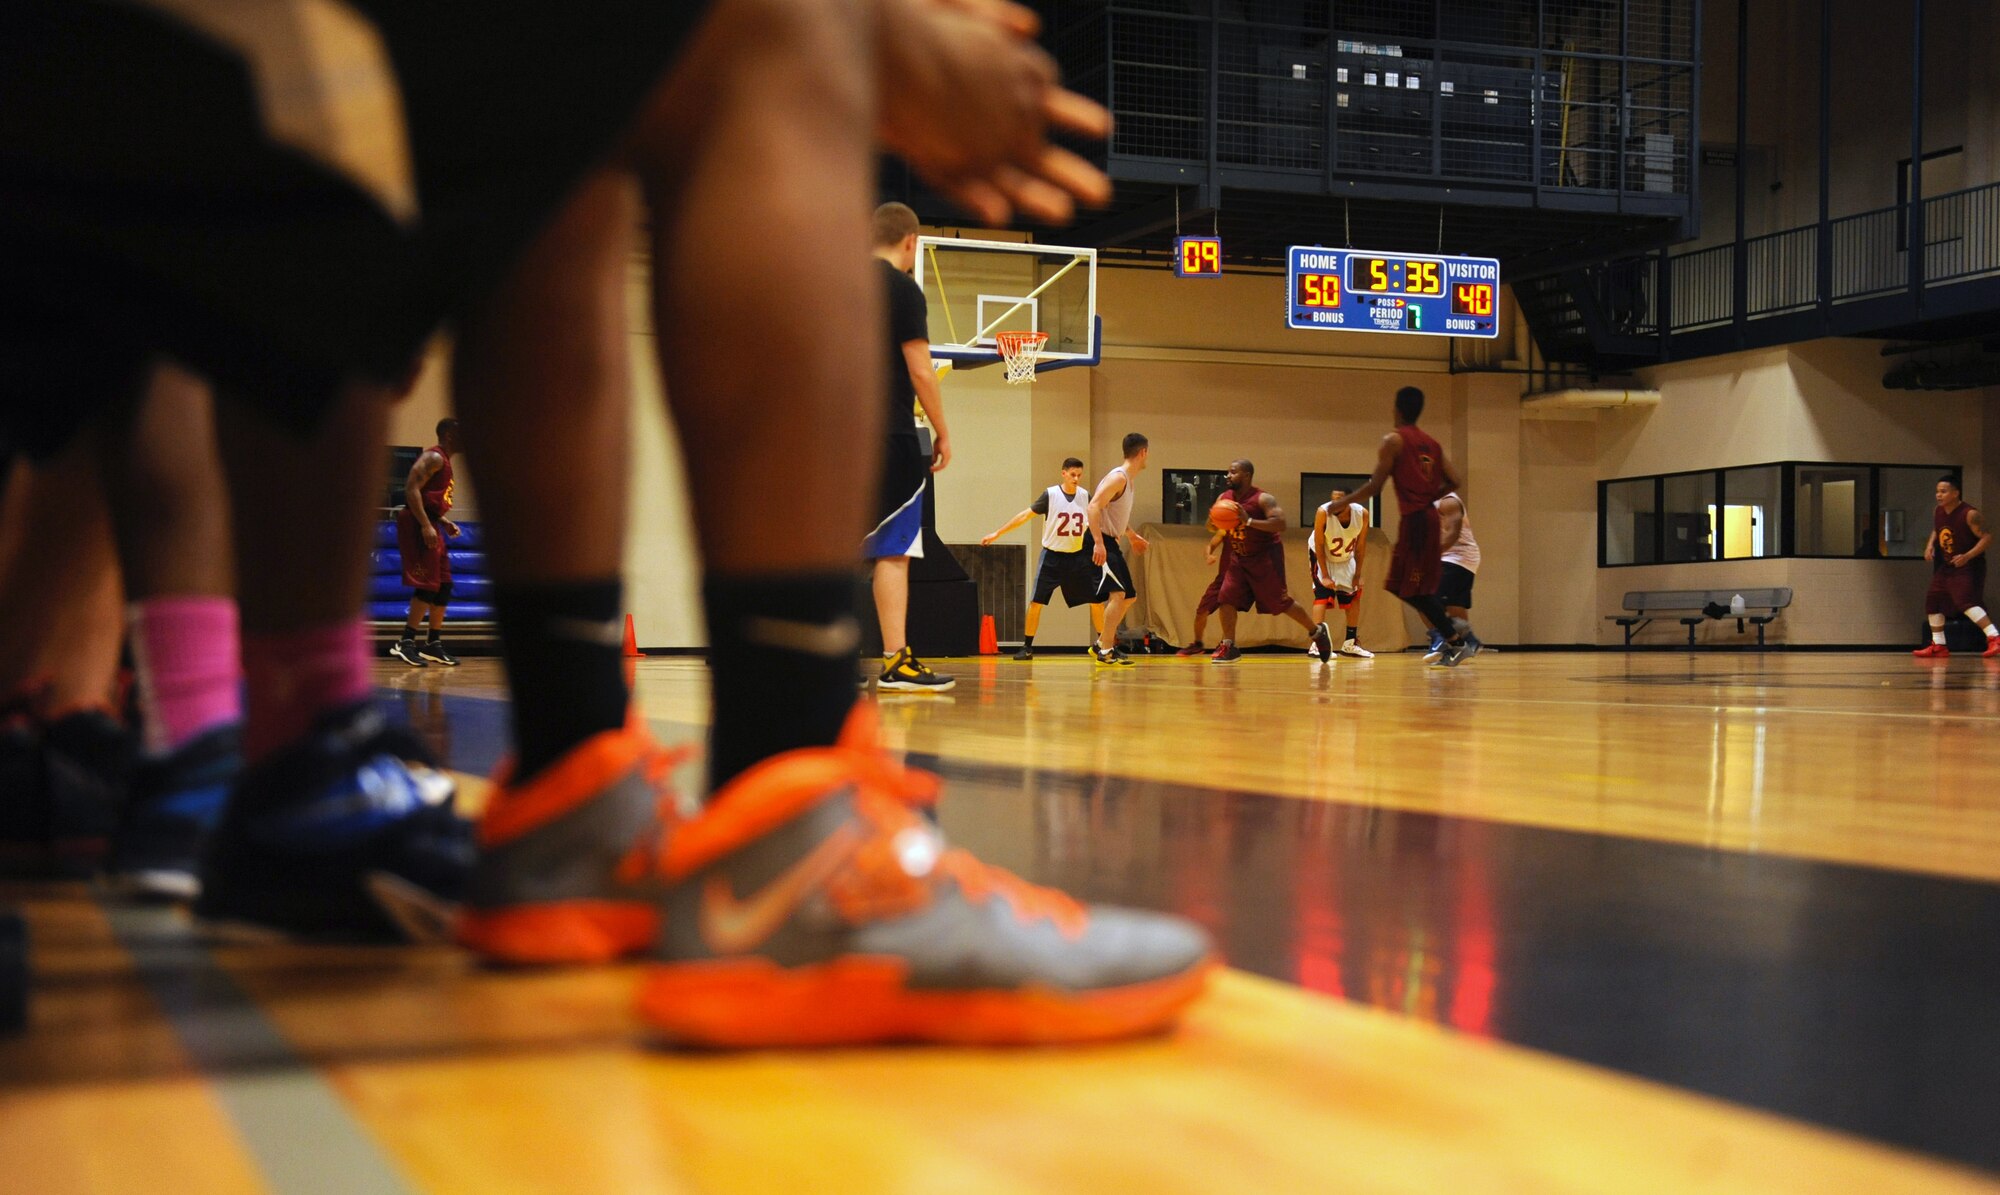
(905, 673)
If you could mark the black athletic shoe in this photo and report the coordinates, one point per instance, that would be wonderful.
(406, 651)
(1451, 655)
(176, 801)
(347, 835)
(72, 775)
(905, 673)
(1322, 642)
(435, 653)
(1226, 653)
(1110, 659)
(1026, 653)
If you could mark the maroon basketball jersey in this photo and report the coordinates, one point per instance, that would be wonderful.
(1955, 536)
(1419, 472)
(1243, 538)
(437, 492)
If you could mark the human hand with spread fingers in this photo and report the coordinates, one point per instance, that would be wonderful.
(969, 101)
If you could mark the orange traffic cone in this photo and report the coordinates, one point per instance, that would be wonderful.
(989, 642)
(632, 651)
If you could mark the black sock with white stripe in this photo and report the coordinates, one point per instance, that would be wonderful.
(564, 647)
(781, 657)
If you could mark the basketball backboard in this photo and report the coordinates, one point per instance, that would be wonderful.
(976, 289)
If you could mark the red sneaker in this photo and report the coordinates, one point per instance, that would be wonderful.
(1932, 651)
(1992, 647)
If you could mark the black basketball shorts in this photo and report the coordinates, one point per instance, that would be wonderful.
(283, 205)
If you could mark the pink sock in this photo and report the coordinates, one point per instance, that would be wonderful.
(185, 649)
(296, 676)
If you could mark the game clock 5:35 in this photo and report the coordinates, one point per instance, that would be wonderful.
(1395, 275)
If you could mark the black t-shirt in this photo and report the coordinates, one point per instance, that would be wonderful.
(909, 320)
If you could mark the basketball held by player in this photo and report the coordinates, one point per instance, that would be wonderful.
(1254, 564)
(1066, 551)
(1957, 554)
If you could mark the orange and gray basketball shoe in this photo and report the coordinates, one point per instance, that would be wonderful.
(812, 904)
(567, 869)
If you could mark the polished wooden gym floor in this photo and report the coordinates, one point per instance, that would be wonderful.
(1548, 923)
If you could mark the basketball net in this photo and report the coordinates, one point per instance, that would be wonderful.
(1019, 351)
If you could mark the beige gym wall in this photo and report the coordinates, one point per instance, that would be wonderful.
(1820, 401)
(1206, 368)
(1209, 372)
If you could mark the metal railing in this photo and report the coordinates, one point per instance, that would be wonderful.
(1866, 260)
(1962, 234)
(1702, 292)
(1784, 271)
(1870, 258)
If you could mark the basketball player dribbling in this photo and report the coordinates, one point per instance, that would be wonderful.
(1416, 463)
(1066, 551)
(1254, 565)
(1957, 552)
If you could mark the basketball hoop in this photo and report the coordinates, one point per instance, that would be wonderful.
(1019, 350)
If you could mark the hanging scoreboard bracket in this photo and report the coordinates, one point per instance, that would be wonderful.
(1349, 290)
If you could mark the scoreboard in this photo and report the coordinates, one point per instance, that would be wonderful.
(1352, 290)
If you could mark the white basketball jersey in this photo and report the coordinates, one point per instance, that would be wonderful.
(1117, 512)
(1464, 553)
(1340, 541)
(1064, 528)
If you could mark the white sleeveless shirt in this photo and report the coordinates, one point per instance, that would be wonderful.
(1117, 512)
(1066, 522)
(1464, 553)
(1340, 541)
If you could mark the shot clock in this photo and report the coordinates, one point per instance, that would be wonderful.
(1198, 257)
(1420, 294)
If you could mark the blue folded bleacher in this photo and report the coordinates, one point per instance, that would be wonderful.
(472, 589)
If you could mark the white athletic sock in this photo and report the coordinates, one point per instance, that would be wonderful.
(1937, 628)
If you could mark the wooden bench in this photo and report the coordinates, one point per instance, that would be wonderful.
(1760, 606)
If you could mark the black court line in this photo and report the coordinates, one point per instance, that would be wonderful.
(1859, 999)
